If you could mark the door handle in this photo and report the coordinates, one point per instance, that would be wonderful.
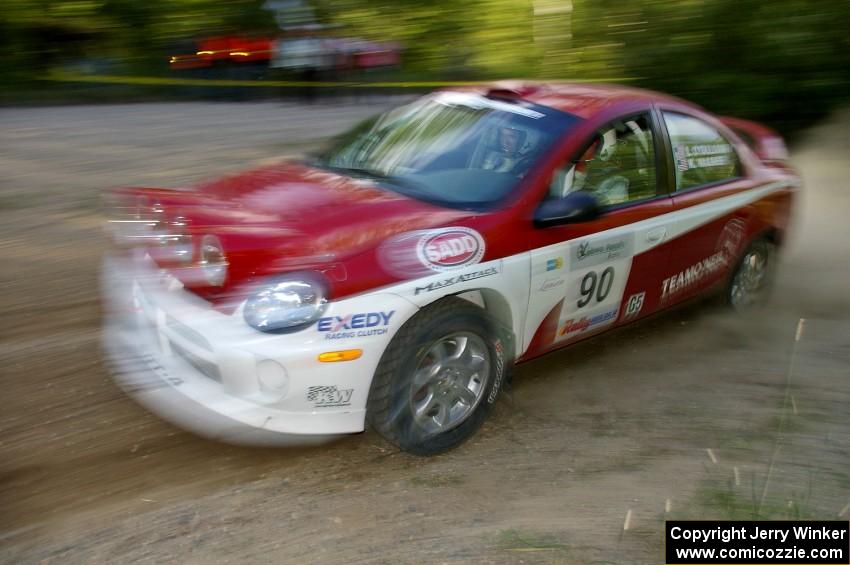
(656, 235)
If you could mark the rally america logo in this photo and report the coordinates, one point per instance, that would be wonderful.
(450, 248)
(327, 396)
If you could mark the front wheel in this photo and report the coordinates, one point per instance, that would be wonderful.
(438, 378)
(750, 283)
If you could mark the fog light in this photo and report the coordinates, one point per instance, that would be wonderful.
(272, 377)
(336, 356)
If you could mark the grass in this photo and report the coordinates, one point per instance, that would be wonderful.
(528, 541)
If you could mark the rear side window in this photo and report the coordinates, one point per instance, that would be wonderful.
(701, 156)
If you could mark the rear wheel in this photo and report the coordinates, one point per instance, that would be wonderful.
(438, 378)
(751, 281)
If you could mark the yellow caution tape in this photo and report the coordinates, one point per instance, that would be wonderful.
(62, 76)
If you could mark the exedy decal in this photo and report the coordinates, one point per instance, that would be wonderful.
(365, 324)
(437, 285)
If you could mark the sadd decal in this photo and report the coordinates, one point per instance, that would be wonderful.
(450, 248)
(355, 325)
(585, 323)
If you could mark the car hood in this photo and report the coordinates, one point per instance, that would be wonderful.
(292, 216)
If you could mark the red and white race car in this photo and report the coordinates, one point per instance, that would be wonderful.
(397, 277)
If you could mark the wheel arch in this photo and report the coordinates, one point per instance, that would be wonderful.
(497, 308)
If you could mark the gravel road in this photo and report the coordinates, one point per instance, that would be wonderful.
(691, 414)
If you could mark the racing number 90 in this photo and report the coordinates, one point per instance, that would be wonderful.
(593, 284)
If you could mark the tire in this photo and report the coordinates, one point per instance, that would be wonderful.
(751, 280)
(438, 379)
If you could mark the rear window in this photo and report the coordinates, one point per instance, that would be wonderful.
(701, 155)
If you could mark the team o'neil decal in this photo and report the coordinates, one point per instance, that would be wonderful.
(446, 249)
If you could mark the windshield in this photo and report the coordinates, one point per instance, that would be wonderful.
(452, 148)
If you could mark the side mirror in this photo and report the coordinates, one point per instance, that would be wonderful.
(573, 208)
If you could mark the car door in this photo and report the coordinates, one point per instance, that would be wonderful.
(710, 219)
(590, 276)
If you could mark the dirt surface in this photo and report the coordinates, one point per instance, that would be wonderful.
(692, 414)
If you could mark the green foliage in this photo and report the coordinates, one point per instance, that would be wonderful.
(783, 61)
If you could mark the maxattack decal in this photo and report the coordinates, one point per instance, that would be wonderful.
(355, 325)
(450, 248)
(693, 274)
(328, 396)
(437, 285)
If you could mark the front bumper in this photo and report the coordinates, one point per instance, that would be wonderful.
(213, 374)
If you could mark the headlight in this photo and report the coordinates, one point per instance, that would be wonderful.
(288, 304)
(172, 243)
(213, 262)
(133, 220)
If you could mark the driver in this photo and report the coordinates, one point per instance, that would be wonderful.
(506, 153)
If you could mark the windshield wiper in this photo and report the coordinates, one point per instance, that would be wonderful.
(372, 174)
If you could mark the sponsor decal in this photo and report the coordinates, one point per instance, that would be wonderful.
(634, 305)
(437, 285)
(693, 274)
(592, 252)
(731, 237)
(450, 248)
(329, 396)
(549, 284)
(585, 323)
(500, 370)
(362, 324)
(611, 250)
(698, 156)
(554, 264)
(681, 159)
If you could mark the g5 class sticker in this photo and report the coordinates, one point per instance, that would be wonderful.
(634, 305)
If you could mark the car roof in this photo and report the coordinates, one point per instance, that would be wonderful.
(581, 99)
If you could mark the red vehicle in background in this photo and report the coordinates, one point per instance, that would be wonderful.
(395, 278)
(231, 49)
(296, 52)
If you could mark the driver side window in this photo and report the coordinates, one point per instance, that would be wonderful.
(617, 166)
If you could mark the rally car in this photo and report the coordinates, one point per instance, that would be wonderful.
(395, 278)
